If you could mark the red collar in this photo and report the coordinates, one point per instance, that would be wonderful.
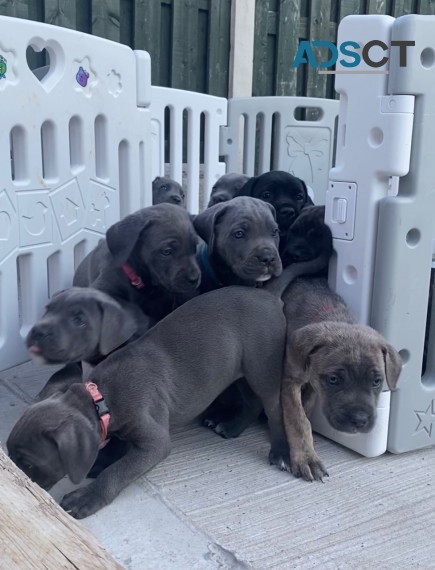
(100, 407)
(325, 310)
(135, 280)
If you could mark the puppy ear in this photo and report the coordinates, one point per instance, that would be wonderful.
(308, 200)
(393, 365)
(156, 179)
(78, 444)
(304, 342)
(117, 326)
(205, 222)
(248, 188)
(122, 236)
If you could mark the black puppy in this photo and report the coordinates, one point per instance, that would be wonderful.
(167, 190)
(227, 187)
(148, 259)
(308, 237)
(287, 194)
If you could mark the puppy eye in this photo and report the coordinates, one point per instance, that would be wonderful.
(166, 252)
(239, 234)
(300, 197)
(333, 380)
(266, 195)
(163, 187)
(377, 382)
(78, 321)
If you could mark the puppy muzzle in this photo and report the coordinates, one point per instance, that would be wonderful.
(356, 421)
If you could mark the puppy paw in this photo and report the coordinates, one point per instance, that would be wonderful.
(209, 423)
(82, 502)
(280, 459)
(307, 466)
(226, 429)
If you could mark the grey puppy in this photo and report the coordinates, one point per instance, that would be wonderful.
(342, 364)
(242, 239)
(227, 187)
(167, 190)
(162, 380)
(148, 259)
(81, 324)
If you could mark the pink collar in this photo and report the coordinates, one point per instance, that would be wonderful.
(135, 280)
(100, 407)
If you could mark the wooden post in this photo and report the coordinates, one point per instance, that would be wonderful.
(36, 533)
(241, 56)
(242, 48)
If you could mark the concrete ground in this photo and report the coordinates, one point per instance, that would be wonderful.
(217, 504)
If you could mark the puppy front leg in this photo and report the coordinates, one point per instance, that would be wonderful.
(304, 461)
(136, 462)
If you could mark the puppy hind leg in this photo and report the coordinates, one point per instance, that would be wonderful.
(250, 407)
(226, 407)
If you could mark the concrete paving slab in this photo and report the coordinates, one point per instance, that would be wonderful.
(216, 503)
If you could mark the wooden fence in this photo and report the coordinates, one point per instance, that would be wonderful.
(281, 24)
(189, 40)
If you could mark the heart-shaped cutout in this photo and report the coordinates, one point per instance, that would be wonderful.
(46, 60)
(38, 62)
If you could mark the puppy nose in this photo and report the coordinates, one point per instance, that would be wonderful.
(39, 333)
(193, 277)
(176, 199)
(288, 212)
(266, 258)
(359, 419)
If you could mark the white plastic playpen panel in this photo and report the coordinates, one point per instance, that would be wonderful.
(264, 133)
(81, 145)
(71, 163)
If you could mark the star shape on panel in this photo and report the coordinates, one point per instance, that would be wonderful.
(426, 418)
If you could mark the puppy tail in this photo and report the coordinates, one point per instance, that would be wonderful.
(295, 270)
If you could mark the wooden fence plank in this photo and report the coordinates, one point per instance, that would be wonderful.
(60, 13)
(260, 86)
(185, 30)
(349, 7)
(376, 7)
(288, 41)
(105, 19)
(36, 533)
(219, 24)
(319, 30)
(15, 8)
(203, 51)
(126, 22)
(84, 15)
(147, 35)
(426, 7)
(402, 7)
